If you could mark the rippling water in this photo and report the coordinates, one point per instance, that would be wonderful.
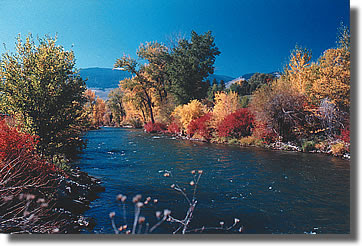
(269, 191)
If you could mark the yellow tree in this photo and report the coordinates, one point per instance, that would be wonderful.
(99, 111)
(334, 78)
(225, 104)
(148, 82)
(301, 72)
(333, 82)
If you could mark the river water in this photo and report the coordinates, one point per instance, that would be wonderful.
(268, 191)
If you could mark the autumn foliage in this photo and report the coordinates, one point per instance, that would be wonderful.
(156, 127)
(17, 145)
(174, 128)
(238, 124)
(200, 127)
(189, 112)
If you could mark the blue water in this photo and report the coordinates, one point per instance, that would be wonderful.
(269, 191)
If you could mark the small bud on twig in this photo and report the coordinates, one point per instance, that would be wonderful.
(139, 204)
(141, 220)
(112, 214)
(166, 212)
(136, 199)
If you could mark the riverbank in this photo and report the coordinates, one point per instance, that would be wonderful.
(334, 147)
(58, 209)
(75, 193)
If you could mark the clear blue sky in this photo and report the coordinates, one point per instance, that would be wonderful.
(252, 35)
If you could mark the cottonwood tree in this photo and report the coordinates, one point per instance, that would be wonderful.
(147, 84)
(189, 65)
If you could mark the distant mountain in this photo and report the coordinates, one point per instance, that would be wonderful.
(247, 76)
(103, 80)
(219, 78)
(103, 77)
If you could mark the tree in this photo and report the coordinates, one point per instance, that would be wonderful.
(148, 83)
(335, 75)
(279, 107)
(41, 88)
(257, 80)
(225, 104)
(222, 85)
(116, 106)
(189, 65)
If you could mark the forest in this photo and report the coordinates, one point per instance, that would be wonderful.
(305, 108)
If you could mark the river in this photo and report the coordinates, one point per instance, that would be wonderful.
(268, 191)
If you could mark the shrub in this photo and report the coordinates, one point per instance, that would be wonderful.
(13, 142)
(134, 122)
(201, 127)
(233, 141)
(174, 128)
(156, 127)
(308, 146)
(188, 112)
(250, 141)
(338, 149)
(263, 132)
(237, 124)
(15, 145)
(24, 176)
(345, 135)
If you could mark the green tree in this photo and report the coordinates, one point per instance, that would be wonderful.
(191, 62)
(222, 85)
(257, 80)
(41, 88)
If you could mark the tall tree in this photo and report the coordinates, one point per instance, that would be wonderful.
(335, 74)
(41, 87)
(148, 83)
(190, 64)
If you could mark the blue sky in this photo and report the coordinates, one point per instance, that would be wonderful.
(252, 35)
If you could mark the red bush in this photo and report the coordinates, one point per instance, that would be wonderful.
(345, 135)
(174, 128)
(200, 126)
(156, 127)
(12, 141)
(16, 145)
(237, 124)
(263, 132)
(25, 178)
